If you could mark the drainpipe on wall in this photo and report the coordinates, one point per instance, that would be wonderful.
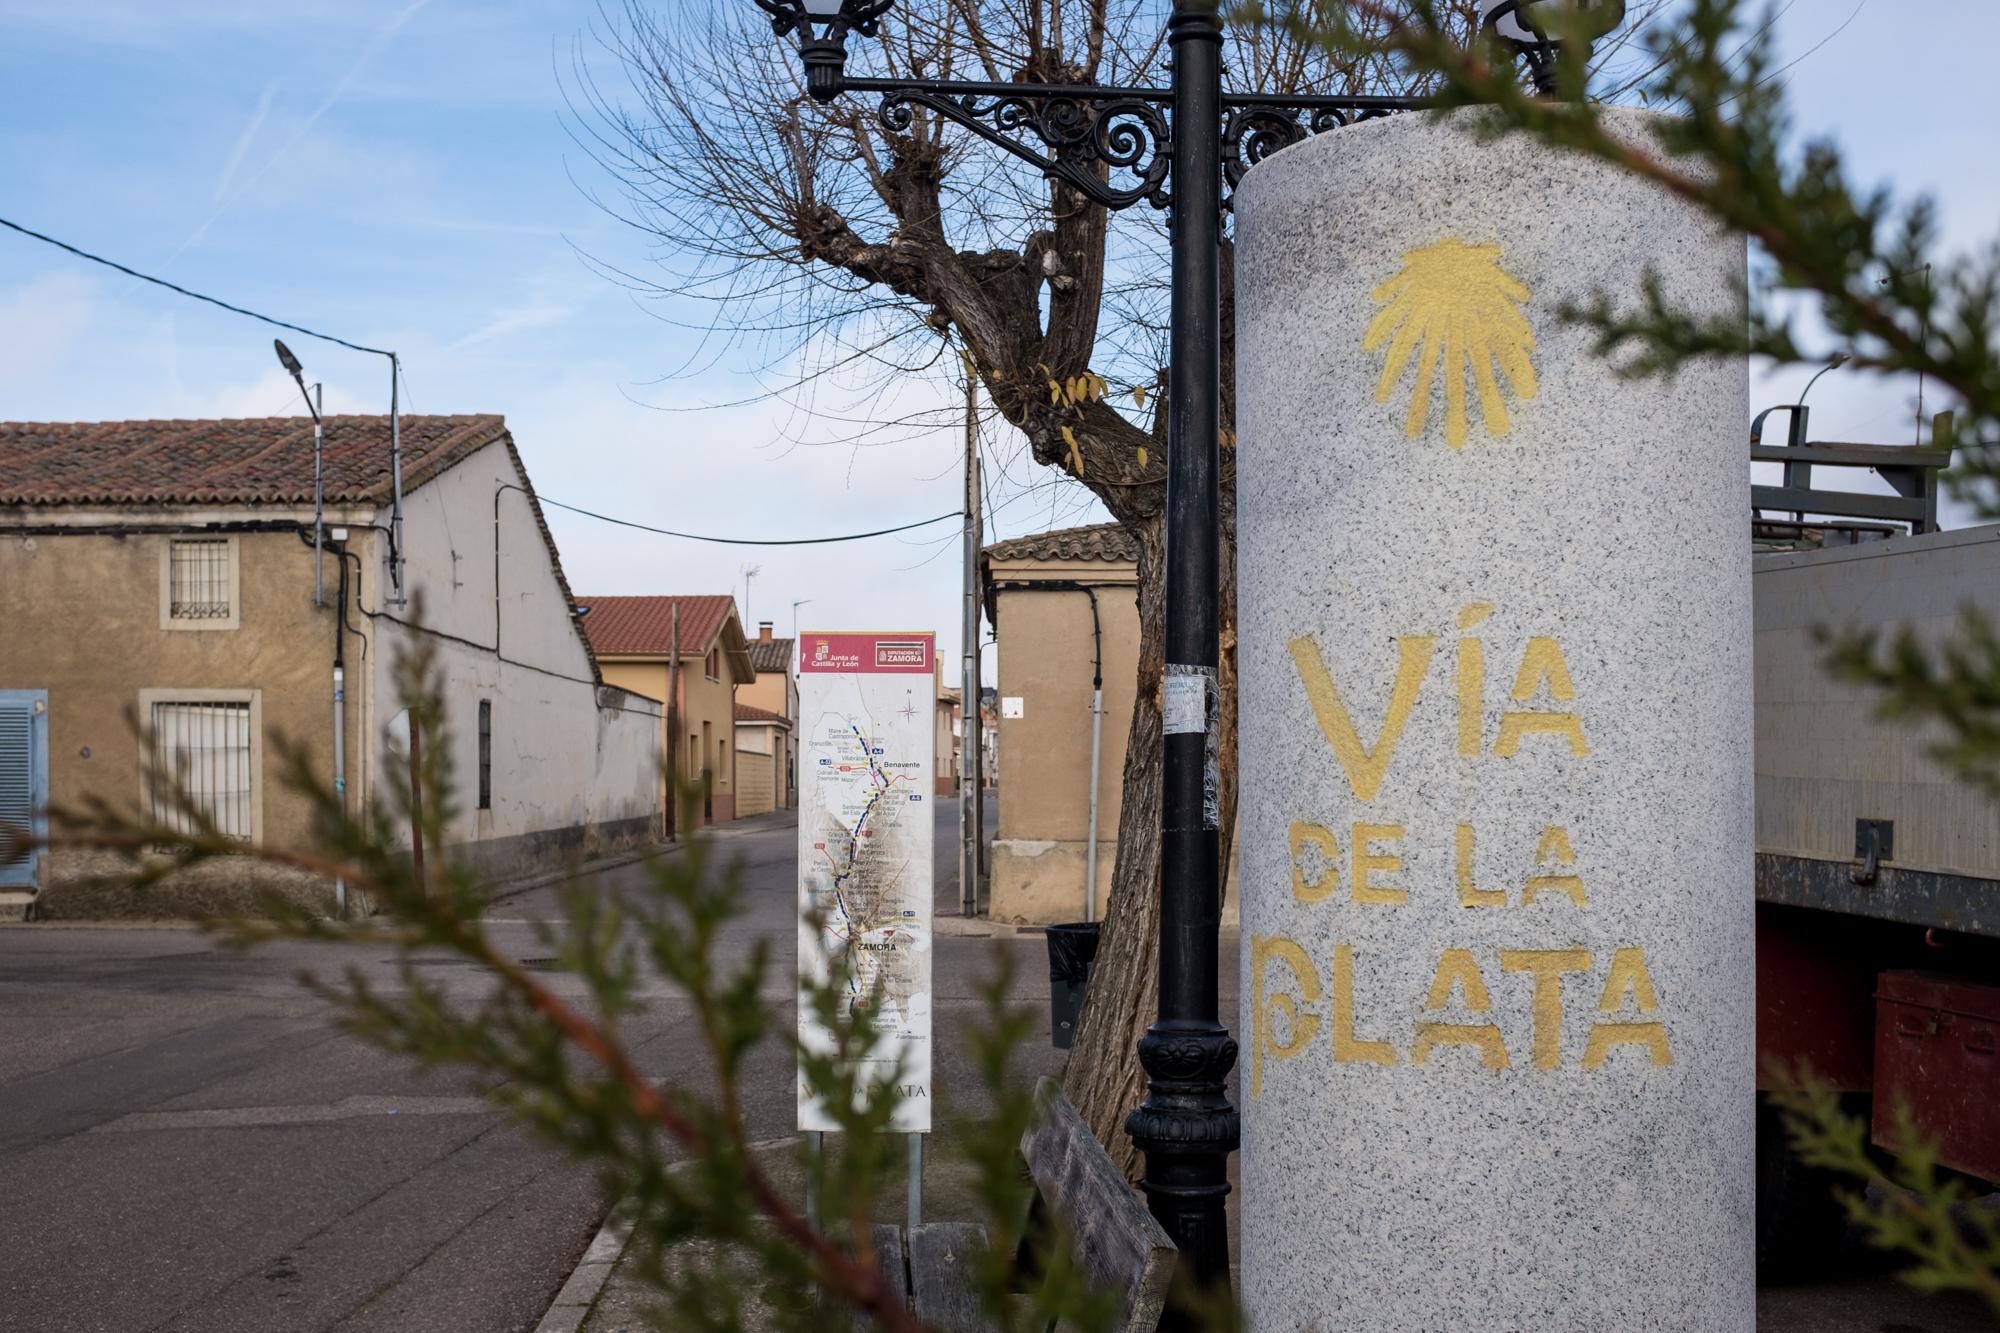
(674, 726)
(339, 704)
(1096, 743)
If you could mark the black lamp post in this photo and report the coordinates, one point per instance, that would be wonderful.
(1182, 148)
(1536, 30)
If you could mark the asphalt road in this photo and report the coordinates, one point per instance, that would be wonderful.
(187, 1144)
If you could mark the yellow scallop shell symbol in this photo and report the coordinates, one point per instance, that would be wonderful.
(1453, 303)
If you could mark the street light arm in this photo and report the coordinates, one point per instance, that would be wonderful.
(1113, 145)
(1258, 126)
(1088, 133)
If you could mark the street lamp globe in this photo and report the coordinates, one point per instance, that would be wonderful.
(1539, 29)
(822, 27)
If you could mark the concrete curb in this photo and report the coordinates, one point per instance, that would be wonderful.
(979, 928)
(579, 1294)
(543, 878)
(503, 889)
(572, 1304)
(101, 923)
(739, 828)
(512, 888)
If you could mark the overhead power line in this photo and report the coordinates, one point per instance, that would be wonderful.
(750, 541)
(378, 351)
(175, 287)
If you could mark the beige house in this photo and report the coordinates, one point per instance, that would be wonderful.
(775, 691)
(944, 734)
(164, 571)
(1039, 592)
(763, 749)
(636, 639)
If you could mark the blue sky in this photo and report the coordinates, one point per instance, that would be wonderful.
(398, 173)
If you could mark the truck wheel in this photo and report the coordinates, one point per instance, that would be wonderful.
(1800, 1222)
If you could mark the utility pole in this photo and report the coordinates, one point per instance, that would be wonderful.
(674, 724)
(971, 808)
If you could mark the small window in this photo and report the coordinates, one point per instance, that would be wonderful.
(485, 754)
(715, 664)
(198, 583)
(207, 748)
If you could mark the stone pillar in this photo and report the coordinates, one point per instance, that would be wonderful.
(1496, 782)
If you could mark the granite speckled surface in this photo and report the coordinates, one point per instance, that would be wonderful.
(1495, 1077)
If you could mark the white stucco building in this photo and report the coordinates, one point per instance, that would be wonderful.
(166, 570)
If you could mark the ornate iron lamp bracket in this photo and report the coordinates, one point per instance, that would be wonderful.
(1115, 145)
(1110, 144)
(1258, 125)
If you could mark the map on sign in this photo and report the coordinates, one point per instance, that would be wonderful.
(866, 703)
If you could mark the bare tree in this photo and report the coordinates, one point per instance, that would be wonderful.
(849, 252)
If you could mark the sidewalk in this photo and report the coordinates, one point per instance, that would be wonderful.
(605, 1295)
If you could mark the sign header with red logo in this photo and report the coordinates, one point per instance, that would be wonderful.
(868, 654)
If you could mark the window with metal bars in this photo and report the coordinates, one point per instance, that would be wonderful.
(206, 749)
(199, 579)
(485, 754)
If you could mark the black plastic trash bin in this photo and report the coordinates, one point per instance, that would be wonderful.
(1072, 949)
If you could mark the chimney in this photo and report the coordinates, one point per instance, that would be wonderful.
(764, 631)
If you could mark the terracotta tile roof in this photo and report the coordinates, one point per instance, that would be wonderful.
(245, 461)
(772, 655)
(249, 460)
(751, 713)
(644, 626)
(1101, 541)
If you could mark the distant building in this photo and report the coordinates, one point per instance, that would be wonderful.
(945, 738)
(1038, 592)
(163, 571)
(989, 735)
(763, 749)
(635, 638)
(776, 690)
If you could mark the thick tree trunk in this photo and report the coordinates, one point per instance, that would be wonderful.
(1103, 1079)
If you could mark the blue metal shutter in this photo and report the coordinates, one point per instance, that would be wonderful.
(22, 784)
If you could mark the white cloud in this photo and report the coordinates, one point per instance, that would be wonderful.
(269, 394)
(41, 323)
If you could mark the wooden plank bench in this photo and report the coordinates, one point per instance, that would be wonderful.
(1118, 1242)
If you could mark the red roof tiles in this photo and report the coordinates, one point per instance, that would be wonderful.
(752, 713)
(643, 626)
(250, 460)
(1100, 541)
